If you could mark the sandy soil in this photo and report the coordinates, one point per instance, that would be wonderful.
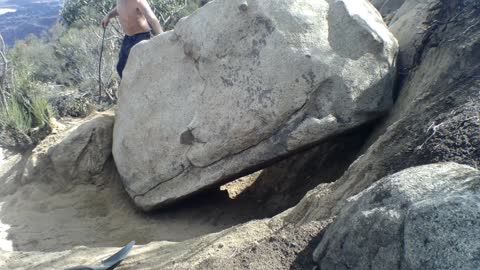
(38, 217)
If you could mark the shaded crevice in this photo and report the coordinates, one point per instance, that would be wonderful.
(212, 164)
(295, 119)
(137, 194)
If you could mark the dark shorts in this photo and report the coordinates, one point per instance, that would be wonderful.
(127, 44)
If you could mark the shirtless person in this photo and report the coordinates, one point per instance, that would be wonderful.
(136, 18)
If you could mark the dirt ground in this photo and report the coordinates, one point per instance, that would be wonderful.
(38, 217)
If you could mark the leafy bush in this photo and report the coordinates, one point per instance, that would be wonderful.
(38, 57)
(70, 105)
(79, 49)
(69, 57)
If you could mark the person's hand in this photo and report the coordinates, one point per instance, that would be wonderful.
(105, 21)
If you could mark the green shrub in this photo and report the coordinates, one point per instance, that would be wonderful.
(14, 116)
(38, 57)
(26, 110)
(79, 49)
(40, 110)
(70, 105)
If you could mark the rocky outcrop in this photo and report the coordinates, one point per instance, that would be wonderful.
(437, 109)
(424, 217)
(76, 156)
(227, 95)
(387, 7)
(432, 202)
(411, 24)
(435, 118)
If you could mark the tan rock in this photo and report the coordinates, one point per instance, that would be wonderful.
(75, 156)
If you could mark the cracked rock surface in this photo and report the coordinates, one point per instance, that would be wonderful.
(222, 96)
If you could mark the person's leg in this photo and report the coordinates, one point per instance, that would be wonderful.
(127, 44)
(122, 57)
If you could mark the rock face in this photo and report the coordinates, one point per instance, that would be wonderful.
(77, 157)
(412, 14)
(436, 116)
(227, 95)
(388, 7)
(425, 217)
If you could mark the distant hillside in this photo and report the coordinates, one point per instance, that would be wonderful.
(30, 17)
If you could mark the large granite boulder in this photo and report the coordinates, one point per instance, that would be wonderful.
(224, 95)
(424, 217)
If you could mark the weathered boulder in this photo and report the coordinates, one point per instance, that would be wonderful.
(227, 95)
(424, 217)
(75, 156)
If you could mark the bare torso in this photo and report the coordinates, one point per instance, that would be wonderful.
(131, 18)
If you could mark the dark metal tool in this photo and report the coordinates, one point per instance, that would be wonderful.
(110, 263)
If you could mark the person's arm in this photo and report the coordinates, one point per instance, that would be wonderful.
(112, 14)
(150, 16)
